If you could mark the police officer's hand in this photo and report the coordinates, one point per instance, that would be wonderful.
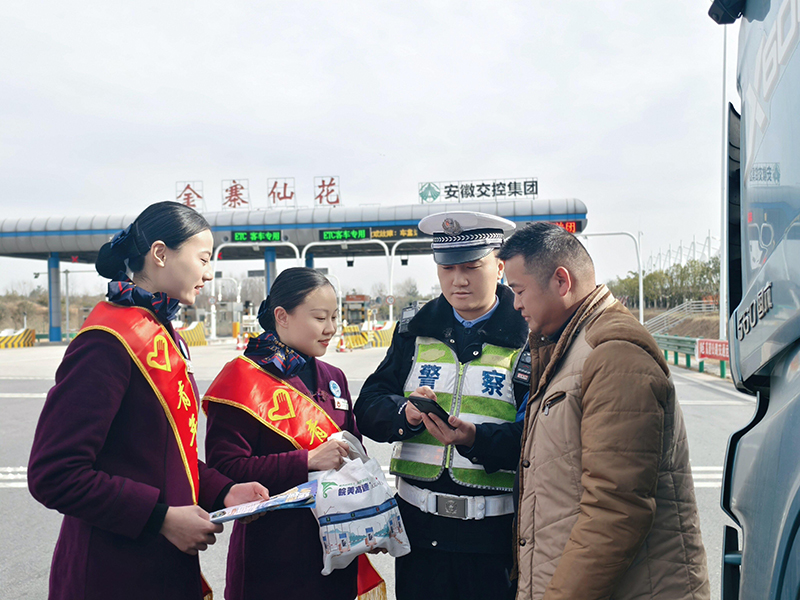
(413, 415)
(329, 455)
(189, 528)
(462, 435)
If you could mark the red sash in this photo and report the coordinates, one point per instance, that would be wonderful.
(272, 402)
(292, 415)
(161, 362)
(155, 353)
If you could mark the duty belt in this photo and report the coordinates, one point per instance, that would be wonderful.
(455, 507)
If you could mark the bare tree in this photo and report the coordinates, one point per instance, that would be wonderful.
(253, 290)
(379, 290)
(408, 289)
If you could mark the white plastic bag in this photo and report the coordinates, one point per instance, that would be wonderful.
(356, 510)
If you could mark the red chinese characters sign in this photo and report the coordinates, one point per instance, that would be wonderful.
(713, 349)
(281, 193)
(190, 193)
(326, 191)
(235, 193)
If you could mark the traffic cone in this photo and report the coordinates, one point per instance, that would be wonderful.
(341, 346)
(241, 342)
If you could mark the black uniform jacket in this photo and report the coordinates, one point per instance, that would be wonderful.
(380, 416)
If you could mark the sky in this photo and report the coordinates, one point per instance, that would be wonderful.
(105, 106)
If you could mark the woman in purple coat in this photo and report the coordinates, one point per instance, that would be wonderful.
(256, 433)
(115, 449)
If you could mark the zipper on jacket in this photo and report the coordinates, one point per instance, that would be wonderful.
(551, 402)
(457, 397)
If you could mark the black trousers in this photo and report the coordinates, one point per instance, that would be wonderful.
(434, 575)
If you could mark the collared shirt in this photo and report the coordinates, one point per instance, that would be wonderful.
(483, 317)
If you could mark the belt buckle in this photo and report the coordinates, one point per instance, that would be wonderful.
(451, 506)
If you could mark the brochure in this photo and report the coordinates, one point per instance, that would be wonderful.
(302, 496)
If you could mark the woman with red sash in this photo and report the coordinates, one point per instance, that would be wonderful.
(270, 414)
(115, 449)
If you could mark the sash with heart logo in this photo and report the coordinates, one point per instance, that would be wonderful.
(160, 351)
(161, 363)
(271, 401)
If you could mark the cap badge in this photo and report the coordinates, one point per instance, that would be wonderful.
(452, 227)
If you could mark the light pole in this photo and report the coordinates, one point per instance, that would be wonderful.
(238, 285)
(638, 262)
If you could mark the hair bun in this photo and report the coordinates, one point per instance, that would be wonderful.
(265, 319)
(110, 261)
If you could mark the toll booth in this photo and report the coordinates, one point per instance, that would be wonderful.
(354, 308)
(191, 314)
(228, 313)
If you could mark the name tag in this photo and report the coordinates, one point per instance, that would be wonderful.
(341, 404)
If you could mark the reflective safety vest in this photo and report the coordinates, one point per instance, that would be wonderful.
(480, 391)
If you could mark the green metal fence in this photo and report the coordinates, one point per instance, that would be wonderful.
(686, 346)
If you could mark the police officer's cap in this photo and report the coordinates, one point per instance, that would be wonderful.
(463, 236)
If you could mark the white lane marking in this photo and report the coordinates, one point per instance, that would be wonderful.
(21, 395)
(730, 392)
(13, 477)
(713, 403)
(708, 484)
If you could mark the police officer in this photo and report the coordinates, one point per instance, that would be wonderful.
(465, 350)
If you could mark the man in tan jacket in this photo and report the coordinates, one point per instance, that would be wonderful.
(606, 499)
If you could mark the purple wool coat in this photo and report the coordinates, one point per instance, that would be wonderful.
(103, 455)
(279, 555)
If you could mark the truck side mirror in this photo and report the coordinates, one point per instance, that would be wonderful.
(725, 12)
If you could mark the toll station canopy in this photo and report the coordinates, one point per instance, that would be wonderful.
(78, 239)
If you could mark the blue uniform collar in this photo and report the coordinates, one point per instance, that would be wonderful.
(480, 319)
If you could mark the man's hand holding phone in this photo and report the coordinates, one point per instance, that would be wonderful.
(448, 429)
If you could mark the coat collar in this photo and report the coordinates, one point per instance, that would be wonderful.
(593, 305)
(505, 327)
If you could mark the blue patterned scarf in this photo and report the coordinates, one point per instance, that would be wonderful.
(124, 292)
(267, 349)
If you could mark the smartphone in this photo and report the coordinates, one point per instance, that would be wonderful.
(428, 406)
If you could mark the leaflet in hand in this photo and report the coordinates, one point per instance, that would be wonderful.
(302, 496)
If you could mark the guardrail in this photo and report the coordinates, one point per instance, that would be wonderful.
(694, 347)
(680, 313)
(24, 338)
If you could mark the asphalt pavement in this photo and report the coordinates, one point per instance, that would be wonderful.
(712, 409)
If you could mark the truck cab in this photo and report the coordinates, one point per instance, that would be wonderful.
(761, 481)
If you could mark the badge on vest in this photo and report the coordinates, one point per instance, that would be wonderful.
(335, 389)
(522, 374)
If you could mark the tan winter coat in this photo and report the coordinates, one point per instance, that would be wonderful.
(607, 506)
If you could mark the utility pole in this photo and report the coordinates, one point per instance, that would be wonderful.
(723, 236)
